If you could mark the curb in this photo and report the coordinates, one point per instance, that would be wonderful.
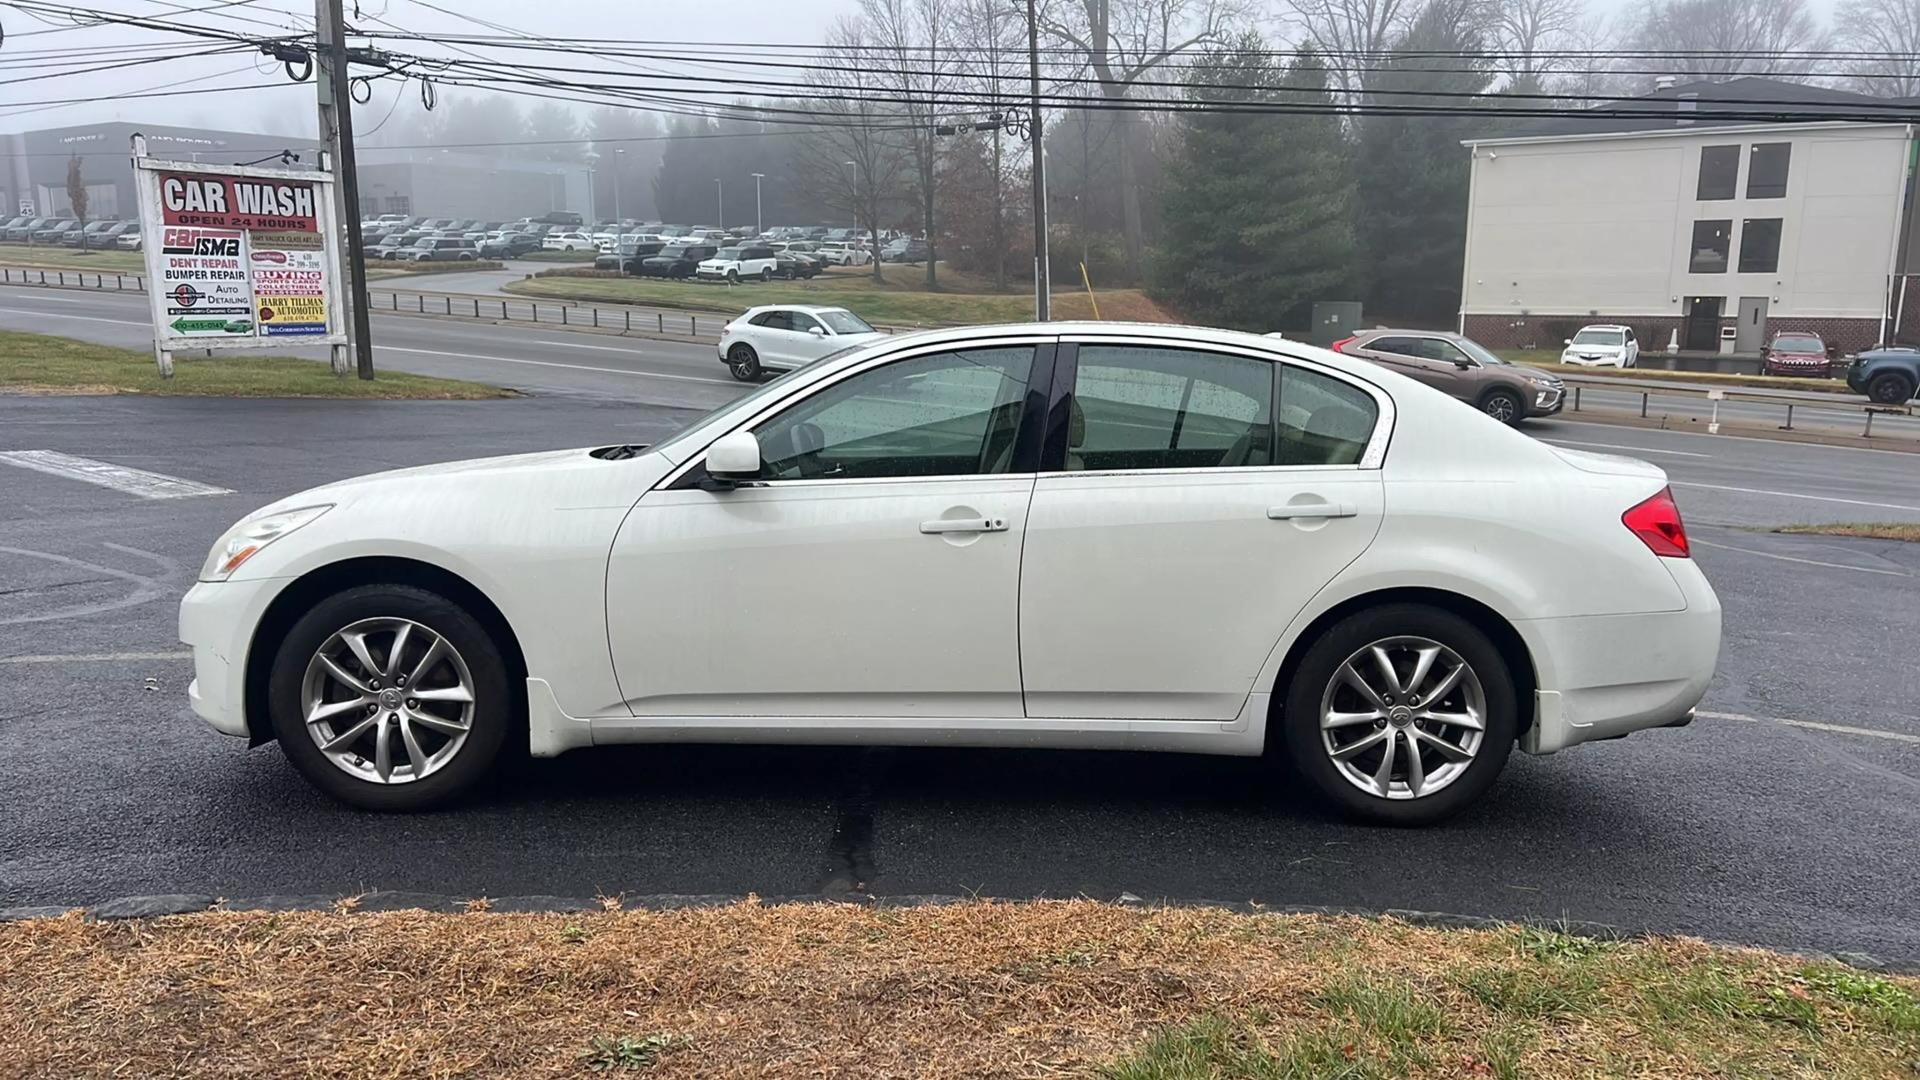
(380, 900)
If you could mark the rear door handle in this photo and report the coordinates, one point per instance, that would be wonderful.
(1311, 510)
(964, 525)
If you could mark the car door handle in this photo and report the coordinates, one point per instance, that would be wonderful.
(963, 525)
(1311, 510)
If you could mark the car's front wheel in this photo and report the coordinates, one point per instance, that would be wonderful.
(390, 697)
(1402, 714)
(1891, 388)
(1503, 405)
(743, 362)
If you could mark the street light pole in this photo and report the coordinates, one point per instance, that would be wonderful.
(720, 203)
(616, 195)
(759, 223)
(1042, 286)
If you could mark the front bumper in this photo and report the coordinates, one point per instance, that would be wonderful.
(217, 620)
(1547, 400)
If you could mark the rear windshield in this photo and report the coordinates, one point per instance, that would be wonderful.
(1598, 337)
(1798, 343)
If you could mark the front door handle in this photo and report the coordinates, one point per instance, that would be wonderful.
(963, 525)
(1311, 510)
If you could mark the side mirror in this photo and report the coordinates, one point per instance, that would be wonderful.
(1566, 341)
(816, 331)
(1463, 365)
(734, 457)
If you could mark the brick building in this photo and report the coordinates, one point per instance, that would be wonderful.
(1682, 224)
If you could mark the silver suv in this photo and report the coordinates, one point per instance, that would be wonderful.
(1463, 368)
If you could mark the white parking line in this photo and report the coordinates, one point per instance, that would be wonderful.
(1797, 495)
(1797, 559)
(552, 363)
(96, 658)
(1630, 449)
(147, 485)
(1812, 725)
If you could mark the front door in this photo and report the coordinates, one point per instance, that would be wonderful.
(1752, 328)
(873, 570)
(1200, 501)
(1703, 324)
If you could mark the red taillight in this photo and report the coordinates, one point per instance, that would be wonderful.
(1341, 345)
(1657, 523)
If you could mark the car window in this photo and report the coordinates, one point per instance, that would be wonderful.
(728, 253)
(949, 414)
(1442, 350)
(1798, 343)
(1401, 346)
(1161, 408)
(772, 320)
(846, 322)
(1598, 337)
(803, 322)
(1322, 421)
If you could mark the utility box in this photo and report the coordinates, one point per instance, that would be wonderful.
(1728, 336)
(1333, 320)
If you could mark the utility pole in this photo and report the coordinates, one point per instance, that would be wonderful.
(759, 223)
(617, 230)
(336, 126)
(1042, 286)
(719, 203)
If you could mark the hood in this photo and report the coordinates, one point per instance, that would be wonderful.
(1609, 464)
(859, 339)
(468, 468)
(1596, 350)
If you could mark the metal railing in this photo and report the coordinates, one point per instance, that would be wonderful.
(1787, 401)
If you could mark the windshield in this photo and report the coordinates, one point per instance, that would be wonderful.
(845, 322)
(675, 252)
(1798, 343)
(1477, 351)
(1598, 337)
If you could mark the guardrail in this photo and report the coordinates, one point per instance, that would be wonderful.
(1786, 400)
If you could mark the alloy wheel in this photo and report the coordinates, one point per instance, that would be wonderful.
(1501, 407)
(1403, 717)
(388, 700)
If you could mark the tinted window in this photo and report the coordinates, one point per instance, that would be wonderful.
(1759, 245)
(1799, 343)
(1719, 172)
(1441, 350)
(1158, 408)
(804, 322)
(1711, 239)
(1402, 346)
(1767, 171)
(1599, 337)
(951, 414)
(1322, 420)
(845, 322)
(772, 320)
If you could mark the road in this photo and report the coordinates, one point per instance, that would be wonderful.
(1788, 815)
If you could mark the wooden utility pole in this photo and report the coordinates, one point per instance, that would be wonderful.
(336, 127)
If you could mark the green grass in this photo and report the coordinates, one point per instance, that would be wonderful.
(900, 300)
(1214, 1048)
(560, 256)
(43, 364)
(1549, 360)
(1886, 530)
(106, 262)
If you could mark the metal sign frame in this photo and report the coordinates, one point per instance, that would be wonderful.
(166, 341)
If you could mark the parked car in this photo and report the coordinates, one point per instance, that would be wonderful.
(433, 224)
(567, 241)
(508, 245)
(783, 337)
(734, 263)
(1602, 345)
(1889, 375)
(1796, 353)
(631, 253)
(566, 218)
(677, 260)
(906, 251)
(129, 240)
(441, 249)
(793, 266)
(1388, 613)
(19, 230)
(1461, 368)
(77, 237)
(55, 231)
(392, 244)
(840, 253)
(18, 221)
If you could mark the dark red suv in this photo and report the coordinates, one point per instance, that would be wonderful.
(1797, 353)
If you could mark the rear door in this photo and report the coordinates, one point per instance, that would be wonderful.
(1194, 502)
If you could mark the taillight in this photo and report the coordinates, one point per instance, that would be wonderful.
(1341, 345)
(1657, 523)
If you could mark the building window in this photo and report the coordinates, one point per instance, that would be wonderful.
(399, 204)
(1767, 172)
(1711, 239)
(1760, 245)
(1719, 172)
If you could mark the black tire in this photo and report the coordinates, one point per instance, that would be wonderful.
(1890, 388)
(733, 277)
(1300, 733)
(766, 274)
(495, 704)
(743, 362)
(1504, 406)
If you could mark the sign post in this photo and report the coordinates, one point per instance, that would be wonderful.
(239, 257)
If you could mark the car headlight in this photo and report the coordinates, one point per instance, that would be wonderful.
(246, 539)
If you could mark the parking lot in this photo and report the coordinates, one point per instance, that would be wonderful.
(1786, 815)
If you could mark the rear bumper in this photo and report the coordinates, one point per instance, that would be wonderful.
(1604, 676)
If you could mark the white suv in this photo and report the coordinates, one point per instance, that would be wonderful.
(840, 253)
(740, 261)
(568, 241)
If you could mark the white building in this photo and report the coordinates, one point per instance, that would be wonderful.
(1694, 219)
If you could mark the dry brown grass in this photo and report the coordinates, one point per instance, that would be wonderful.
(1869, 530)
(971, 990)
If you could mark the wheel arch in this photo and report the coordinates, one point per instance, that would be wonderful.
(303, 592)
(1513, 648)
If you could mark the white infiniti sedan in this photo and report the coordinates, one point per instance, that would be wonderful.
(1067, 535)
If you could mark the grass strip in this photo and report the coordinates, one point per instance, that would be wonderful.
(1865, 530)
(44, 364)
(1068, 988)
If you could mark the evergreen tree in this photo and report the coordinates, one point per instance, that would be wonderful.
(1257, 221)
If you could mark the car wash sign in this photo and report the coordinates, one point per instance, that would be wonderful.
(246, 258)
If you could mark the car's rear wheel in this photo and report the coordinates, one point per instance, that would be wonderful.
(743, 362)
(1502, 405)
(766, 274)
(390, 697)
(1402, 715)
(1891, 388)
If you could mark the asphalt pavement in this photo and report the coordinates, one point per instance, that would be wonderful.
(1789, 814)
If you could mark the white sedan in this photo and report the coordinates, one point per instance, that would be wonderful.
(568, 241)
(782, 337)
(1063, 535)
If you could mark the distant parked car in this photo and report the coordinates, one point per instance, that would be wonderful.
(508, 245)
(442, 249)
(392, 244)
(18, 221)
(841, 253)
(55, 231)
(787, 336)
(906, 251)
(110, 236)
(20, 230)
(568, 241)
(78, 237)
(628, 256)
(129, 240)
(1888, 375)
(743, 261)
(561, 217)
(794, 267)
(677, 260)
(436, 223)
(1602, 345)
(1463, 368)
(1796, 353)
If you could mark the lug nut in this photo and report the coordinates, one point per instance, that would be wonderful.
(412, 704)
(1388, 698)
(400, 681)
(1414, 700)
(393, 716)
(373, 684)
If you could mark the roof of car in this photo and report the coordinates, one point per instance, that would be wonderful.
(1376, 331)
(811, 309)
(1603, 326)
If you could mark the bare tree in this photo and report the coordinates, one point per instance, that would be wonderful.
(1726, 38)
(918, 70)
(852, 160)
(1351, 34)
(992, 57)
(1123, 41)
(1880, 26)
(1528, 33)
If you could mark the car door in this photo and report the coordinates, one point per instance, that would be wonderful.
(802, 344)
(1196, 503)
(872, 571)
(1440, 362)
(769, 336)
(1399, 353)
